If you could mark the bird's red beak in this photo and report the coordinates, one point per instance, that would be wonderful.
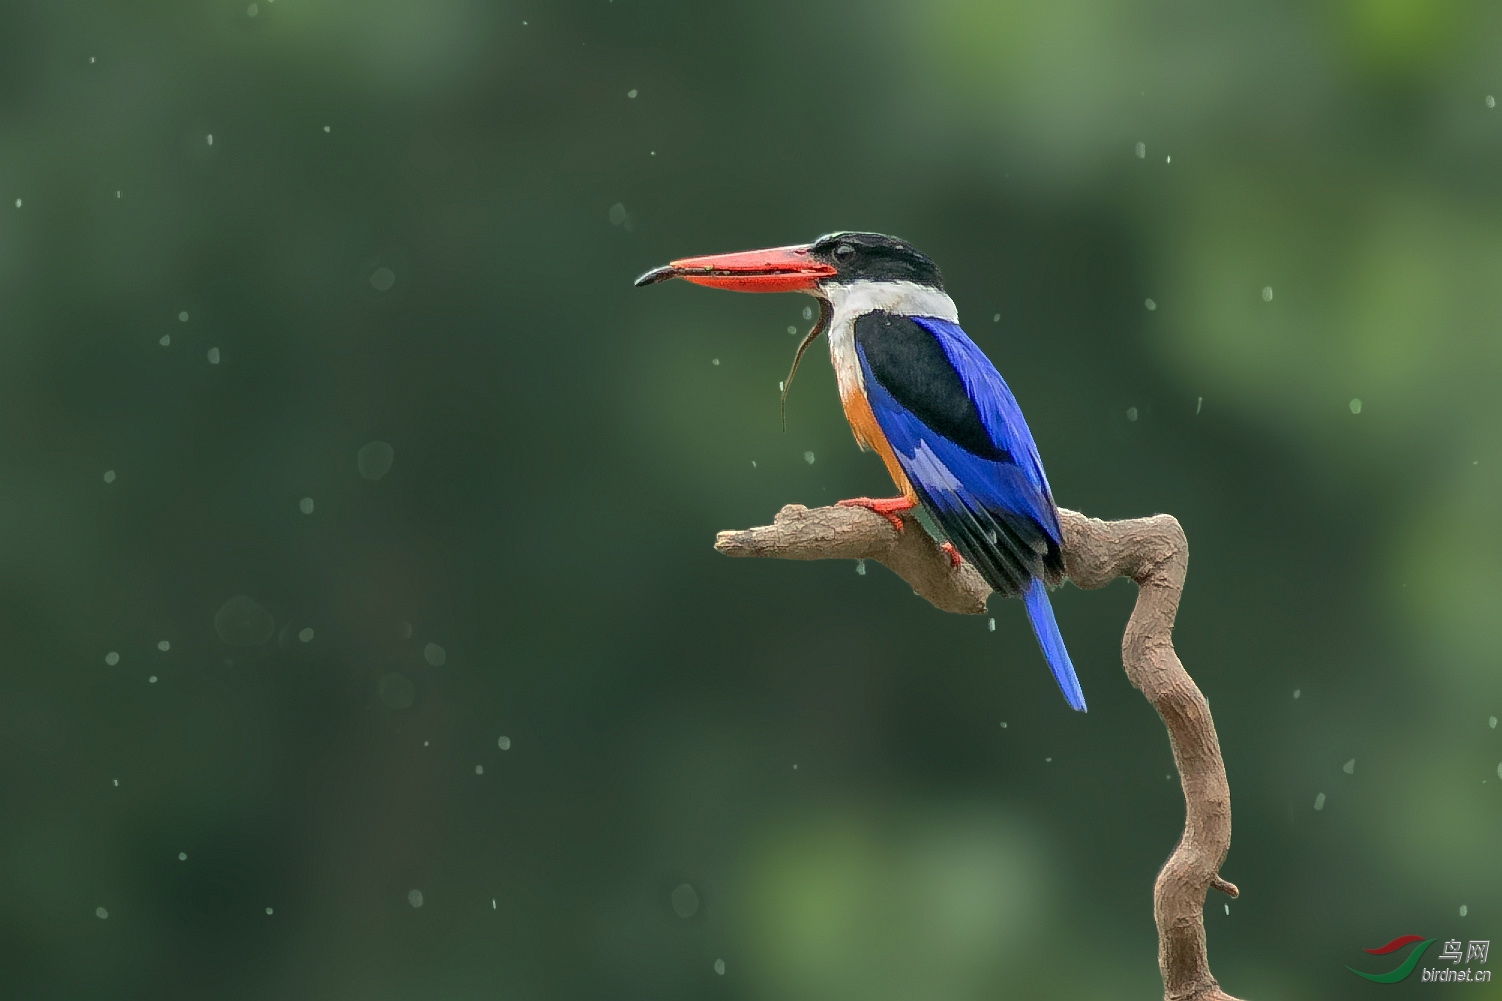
(780, 269)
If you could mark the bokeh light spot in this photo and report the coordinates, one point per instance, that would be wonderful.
(374, 460)
(685, 901)
(397, 690)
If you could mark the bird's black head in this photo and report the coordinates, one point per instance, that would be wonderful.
(836, 259)
(874, 257)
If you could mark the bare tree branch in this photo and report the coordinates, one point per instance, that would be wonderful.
(1154, 553)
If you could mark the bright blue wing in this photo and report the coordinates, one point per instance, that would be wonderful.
(960, 437)
(999, 412)
(990, 509)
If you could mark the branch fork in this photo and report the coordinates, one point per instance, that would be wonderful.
(1154, 553)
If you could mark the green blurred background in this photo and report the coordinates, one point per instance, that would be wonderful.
(241, 242)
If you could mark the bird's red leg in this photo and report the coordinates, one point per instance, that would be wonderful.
(954, 556)
(887, 507)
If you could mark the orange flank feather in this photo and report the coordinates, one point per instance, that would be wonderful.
(868, 435)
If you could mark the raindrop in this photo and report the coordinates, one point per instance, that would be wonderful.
(151, 680)
(1356, 406)
(492, 903)
(182, 317)
(414, 897)
(374, 459)
(1228, 910)
(1296, 692)
(1349, 767)
(1198, 404)
(685, 901)
(808, 457)
(1499, 769)
(1267, 293)
(1150, 304)
(781, 388)
(719, 967)
(112, 658)
(1168, 159)
(995, 317)
(1048, 761)
(18, 203)
(182, 856)
(1319, 801)
(164, 340)
(382, 279)
(241, 621)
(1131, 413)
(109, 476)
(1491, 102)
(164, 645)
(1003, 724)
(991, 625)
(211, 138)
(213, 356)
(1141, 151)
(397, 691)
(268, 910)
(101, 913)
(617, 214)
(504, 743)
(631, 92)
(306, 634)
(252, 11)
(434, 654)
(1463, 910)
(1492, 722)
(325, 128)
(714, 361)
(479, 769)
(305, 505)
(792, 329)
(860, 567)
(117, 783)
(808, 312)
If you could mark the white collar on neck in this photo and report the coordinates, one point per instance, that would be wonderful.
(904, 298)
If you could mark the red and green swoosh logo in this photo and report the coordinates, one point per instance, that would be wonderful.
(1404, 968)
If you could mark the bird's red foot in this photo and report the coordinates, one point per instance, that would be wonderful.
(954, 556)
(887, 507)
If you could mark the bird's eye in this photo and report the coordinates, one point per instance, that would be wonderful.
(844, 252)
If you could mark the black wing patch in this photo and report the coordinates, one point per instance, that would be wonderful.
(911, 365)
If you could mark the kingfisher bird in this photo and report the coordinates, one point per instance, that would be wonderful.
(928, 401)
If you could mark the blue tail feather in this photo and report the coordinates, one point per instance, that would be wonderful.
(1040, 613)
